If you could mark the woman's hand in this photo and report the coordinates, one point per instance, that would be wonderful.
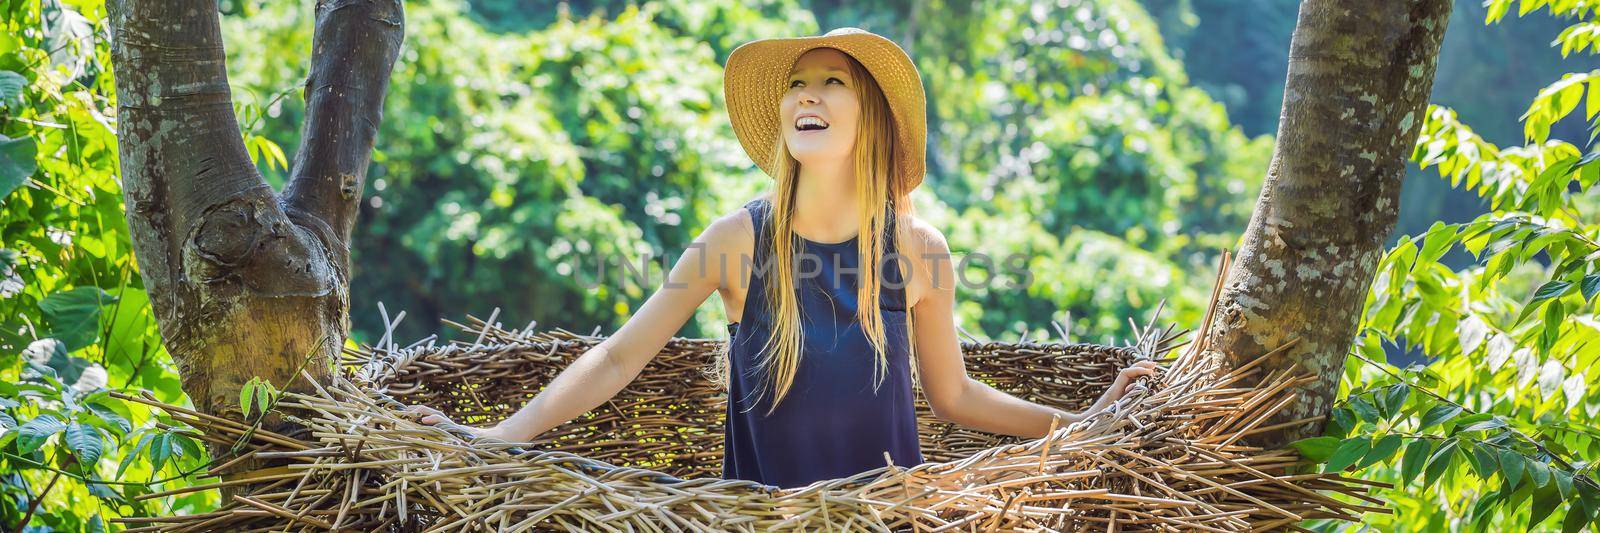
(1119, 387)
(433, 417)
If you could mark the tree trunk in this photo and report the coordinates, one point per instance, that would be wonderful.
(244, 282)
(1360, 73)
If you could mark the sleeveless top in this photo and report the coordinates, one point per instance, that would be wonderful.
(831, 424)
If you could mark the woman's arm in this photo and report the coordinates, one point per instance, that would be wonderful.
(953, 395)
(604, 369)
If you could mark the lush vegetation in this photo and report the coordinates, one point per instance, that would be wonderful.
(521, 145)
(501, 175)
(75, 322)
(1498, 428)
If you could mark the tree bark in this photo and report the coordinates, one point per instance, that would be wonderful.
(244, 283)
(1360, 74)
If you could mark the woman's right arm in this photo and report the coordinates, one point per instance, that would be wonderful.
(604, 369)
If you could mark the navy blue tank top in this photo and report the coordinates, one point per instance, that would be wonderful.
(832, 424)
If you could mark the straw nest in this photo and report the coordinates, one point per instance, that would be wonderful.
(1166, 457)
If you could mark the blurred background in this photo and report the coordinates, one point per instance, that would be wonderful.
(1118, 144)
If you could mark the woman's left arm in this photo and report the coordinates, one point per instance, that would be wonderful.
(954, 396)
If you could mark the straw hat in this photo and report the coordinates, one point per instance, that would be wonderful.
(753, 87)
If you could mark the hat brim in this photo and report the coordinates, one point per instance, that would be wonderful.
(753, 87)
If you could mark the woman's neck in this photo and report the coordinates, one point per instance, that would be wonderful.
(825, 201)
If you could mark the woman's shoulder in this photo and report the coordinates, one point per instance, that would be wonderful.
(918, 238)
(926, 256)
(732, 230)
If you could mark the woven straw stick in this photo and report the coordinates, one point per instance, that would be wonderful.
(1165, 457)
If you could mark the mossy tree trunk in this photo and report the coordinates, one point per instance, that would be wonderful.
(1360, 74)
(244, 281)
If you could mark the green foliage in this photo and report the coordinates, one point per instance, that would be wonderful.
(1499, 427)
(1237, 50)
(75, 315)
(16, 160)
(511, 165)
(1063, 131)
(74, 319)
(258, 396)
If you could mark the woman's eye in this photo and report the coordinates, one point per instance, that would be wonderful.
(800, 83)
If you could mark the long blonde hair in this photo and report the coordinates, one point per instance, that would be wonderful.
(877, 187)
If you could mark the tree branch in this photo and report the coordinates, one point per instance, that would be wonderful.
(33, 504)
(353, 53)
(238, 288)
(172, 91)
(1360, 73)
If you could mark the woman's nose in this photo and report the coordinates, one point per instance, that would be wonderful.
(807, 97)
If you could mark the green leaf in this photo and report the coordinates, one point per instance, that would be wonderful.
(1474, 418)
(1415, 458)
(51, 354)
(74, 315)
(1497, 10)
(1364, 410)
(33, 434)
(1381, 451)
(160, 451)
(105, 492)
(1439, 462)
(1555, 315)
(1577, 517)
(1563, 482)
(11, 85)
(1439, 414)
(1545, 501)
(1551, 289)
(1593, 105)
(1437, 242)
(1484, 425)
(1483, 461)
(1590, 286)
(1317, 449)
(85, 442)
(1485, 506)
(18, 161)
(1538, 473)
(1557, 172)
(189, 446)
(1589, 494)
(1348, 452)
(247, 394)
(111, 417)
(1511, 467)
(274, 153)
(1343, 420)
(128, 459)
(1394, 398)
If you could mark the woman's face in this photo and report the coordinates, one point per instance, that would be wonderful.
(820, 109)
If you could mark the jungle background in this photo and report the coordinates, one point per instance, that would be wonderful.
(1119, 145)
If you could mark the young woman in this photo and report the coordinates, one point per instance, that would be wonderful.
(821, 340)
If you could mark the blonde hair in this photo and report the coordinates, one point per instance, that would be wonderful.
(877, 187)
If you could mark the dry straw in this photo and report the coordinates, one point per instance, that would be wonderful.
(1167, 457)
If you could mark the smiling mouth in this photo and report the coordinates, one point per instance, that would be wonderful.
(810, 123)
